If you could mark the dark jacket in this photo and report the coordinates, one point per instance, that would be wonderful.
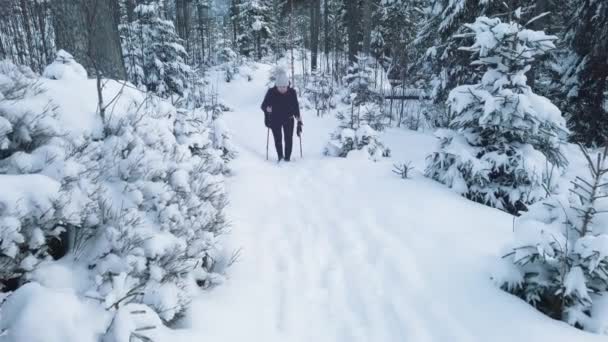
(284, 106)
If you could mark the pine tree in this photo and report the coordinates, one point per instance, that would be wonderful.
(358, 130)
(585, 80)
(252, 21)
(439, 61)
(393, 37)
(358, 81)
(153, 52)
(503, 135)
(558, 261)
(320, 92)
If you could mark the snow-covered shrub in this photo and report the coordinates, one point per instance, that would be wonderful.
(403, 170)
(65, 67)
(203, 130)
(153, 52)
(358, 81)
(221, 138)
(320, 92)
(503, 136)
(155, 243)
(139, 200)
(358, 130)
(558, 261)
(227, 58)
(347, 139)
(34, 170)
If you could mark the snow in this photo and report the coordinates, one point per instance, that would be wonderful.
(331, 249)
(575, 282)
(65, 68)
(35, 313)
(27, 194)
(340, 249)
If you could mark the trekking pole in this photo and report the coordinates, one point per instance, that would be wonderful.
(300, 136)
(267, 139)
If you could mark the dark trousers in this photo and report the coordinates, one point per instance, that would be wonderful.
(278, 129)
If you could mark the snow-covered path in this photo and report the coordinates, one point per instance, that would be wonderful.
(343, 250)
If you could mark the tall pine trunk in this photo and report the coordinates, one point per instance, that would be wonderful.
(202, 14)
(25, 16)
(326, 31)
(88, 29)
(542, 6)
(367, 26)
(314, 33)
(353, 29)
(180, 20)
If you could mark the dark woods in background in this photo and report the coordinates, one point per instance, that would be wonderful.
(415, 41)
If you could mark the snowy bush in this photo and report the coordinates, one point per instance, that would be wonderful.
(363, 138)
(203, 131)
(403, 170)
(358, 130)
(35, 168)
(320, 92)
(136, 205)
(227, 58)
(159, 239)
(503, 136)
(65, 67)
(558, 261)
(358, 81)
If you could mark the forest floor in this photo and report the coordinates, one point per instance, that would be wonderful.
(342, 249)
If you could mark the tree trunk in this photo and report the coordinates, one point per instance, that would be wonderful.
(235, 25)
(180, 19)
(352, 28)
(88, 29)
(540, 25)
(130, 9)
(367, 26)
(42, 14)
(314, 33)
(326, 31)
(202, 14)
(291, 41)
(25, 16)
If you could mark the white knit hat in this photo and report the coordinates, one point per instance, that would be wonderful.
(281, 79)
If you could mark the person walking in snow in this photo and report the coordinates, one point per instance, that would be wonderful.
(280, 106)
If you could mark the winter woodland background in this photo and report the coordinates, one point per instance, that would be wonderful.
(114, 153)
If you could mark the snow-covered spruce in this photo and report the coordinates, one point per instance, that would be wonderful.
(153, 52)
(358, 129)
(227, 58)
(503, 137)
(139, 196)
(252, 18)
(320, 92)
(558, 261)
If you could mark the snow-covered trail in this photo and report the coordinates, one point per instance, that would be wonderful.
(343, 250)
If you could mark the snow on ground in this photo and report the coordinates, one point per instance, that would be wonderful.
(344, 250)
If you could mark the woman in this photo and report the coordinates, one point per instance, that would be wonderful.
(280, 106)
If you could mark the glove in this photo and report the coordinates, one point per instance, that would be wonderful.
(299, 129)
(267, 119)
